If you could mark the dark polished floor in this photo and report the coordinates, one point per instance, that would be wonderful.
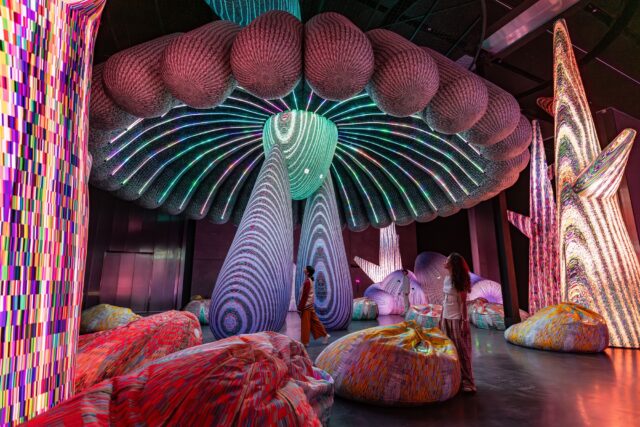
(516, 387)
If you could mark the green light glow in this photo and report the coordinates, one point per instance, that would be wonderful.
(242, 12)
(308, 143)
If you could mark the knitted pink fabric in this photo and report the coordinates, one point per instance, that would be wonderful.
(511, 146)
(338, 58)
(500, 120)
(266, 57)
(405, 77)
(461, 100)
(104, 114)
(132, 79)
(195, 66)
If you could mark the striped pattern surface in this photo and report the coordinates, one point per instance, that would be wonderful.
(242, 12)
(46, 58)
(427, 316)
(389, 258)
(541, 229)
(321, 246)
(364, 309)
(103, 317)
(118, 351)
(599, 267)
(402, 364)
(308, 142)
(430, 273)
(485, 288)
(563, 327)
(487, 315)
(254, 285)
(263, 379)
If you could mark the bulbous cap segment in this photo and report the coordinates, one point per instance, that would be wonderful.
(308, 142)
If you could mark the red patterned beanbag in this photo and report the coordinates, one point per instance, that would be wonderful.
(119, 351)
(263, 379)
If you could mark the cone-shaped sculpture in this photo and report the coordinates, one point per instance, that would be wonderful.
(322, 247)
(542, 231)
(254, 286)
(389, 256)
(598, 266)
(308, 143)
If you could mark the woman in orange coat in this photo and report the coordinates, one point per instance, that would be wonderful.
(306, 307)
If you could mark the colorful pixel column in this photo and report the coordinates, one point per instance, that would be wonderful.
(45, 70)
(541, 229)
(389, 256)
(598, 266)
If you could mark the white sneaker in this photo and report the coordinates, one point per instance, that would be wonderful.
(325, 339)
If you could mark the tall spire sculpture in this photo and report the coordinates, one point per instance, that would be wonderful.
(389, 256)
(598, 266)
(541, 229)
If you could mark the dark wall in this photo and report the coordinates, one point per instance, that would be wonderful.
(135, 256)
(446, 235)
(212, 242)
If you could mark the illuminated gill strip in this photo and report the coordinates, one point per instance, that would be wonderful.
(309, 100)
(192, 147)
(141, 132)
(358, 116)
(349, 110)
(221, 178)
(200, 156)
(233, 98)
(170, 131)
(338, 104)
(320, 106)
(346, 195)
(295, 98)
(247, 170)
(285, 104)
(362, 187)
(124, 132)
(475, 150)
(433, 174)
(430, 145)
(380, 188)
(277, 107)
(362, 150)
(420, 130)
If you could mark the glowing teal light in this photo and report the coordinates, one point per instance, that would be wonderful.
(308, 143)
(242, 12)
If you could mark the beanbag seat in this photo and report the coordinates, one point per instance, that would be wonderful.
(263, 379)
(364, 309)
(396, 365)
(566, 327)
(426, 316)
(487, 315)
(104, 317)
(199, 306)
(119, 351)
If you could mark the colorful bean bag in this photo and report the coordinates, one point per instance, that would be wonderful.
(564, 327)
(401, 364)
(103, 317)
(264, 379)
(119, 351)
(199, 306)
(387, 293)
(486, 315)
(364, 309)
(426, 316)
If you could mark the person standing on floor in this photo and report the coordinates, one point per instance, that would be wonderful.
(455, 321)
(405, 290)
(309, 322)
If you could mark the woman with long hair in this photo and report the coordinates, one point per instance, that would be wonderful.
(455, 320)
(309, 322)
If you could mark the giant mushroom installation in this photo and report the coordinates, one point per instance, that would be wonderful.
(358, 138)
